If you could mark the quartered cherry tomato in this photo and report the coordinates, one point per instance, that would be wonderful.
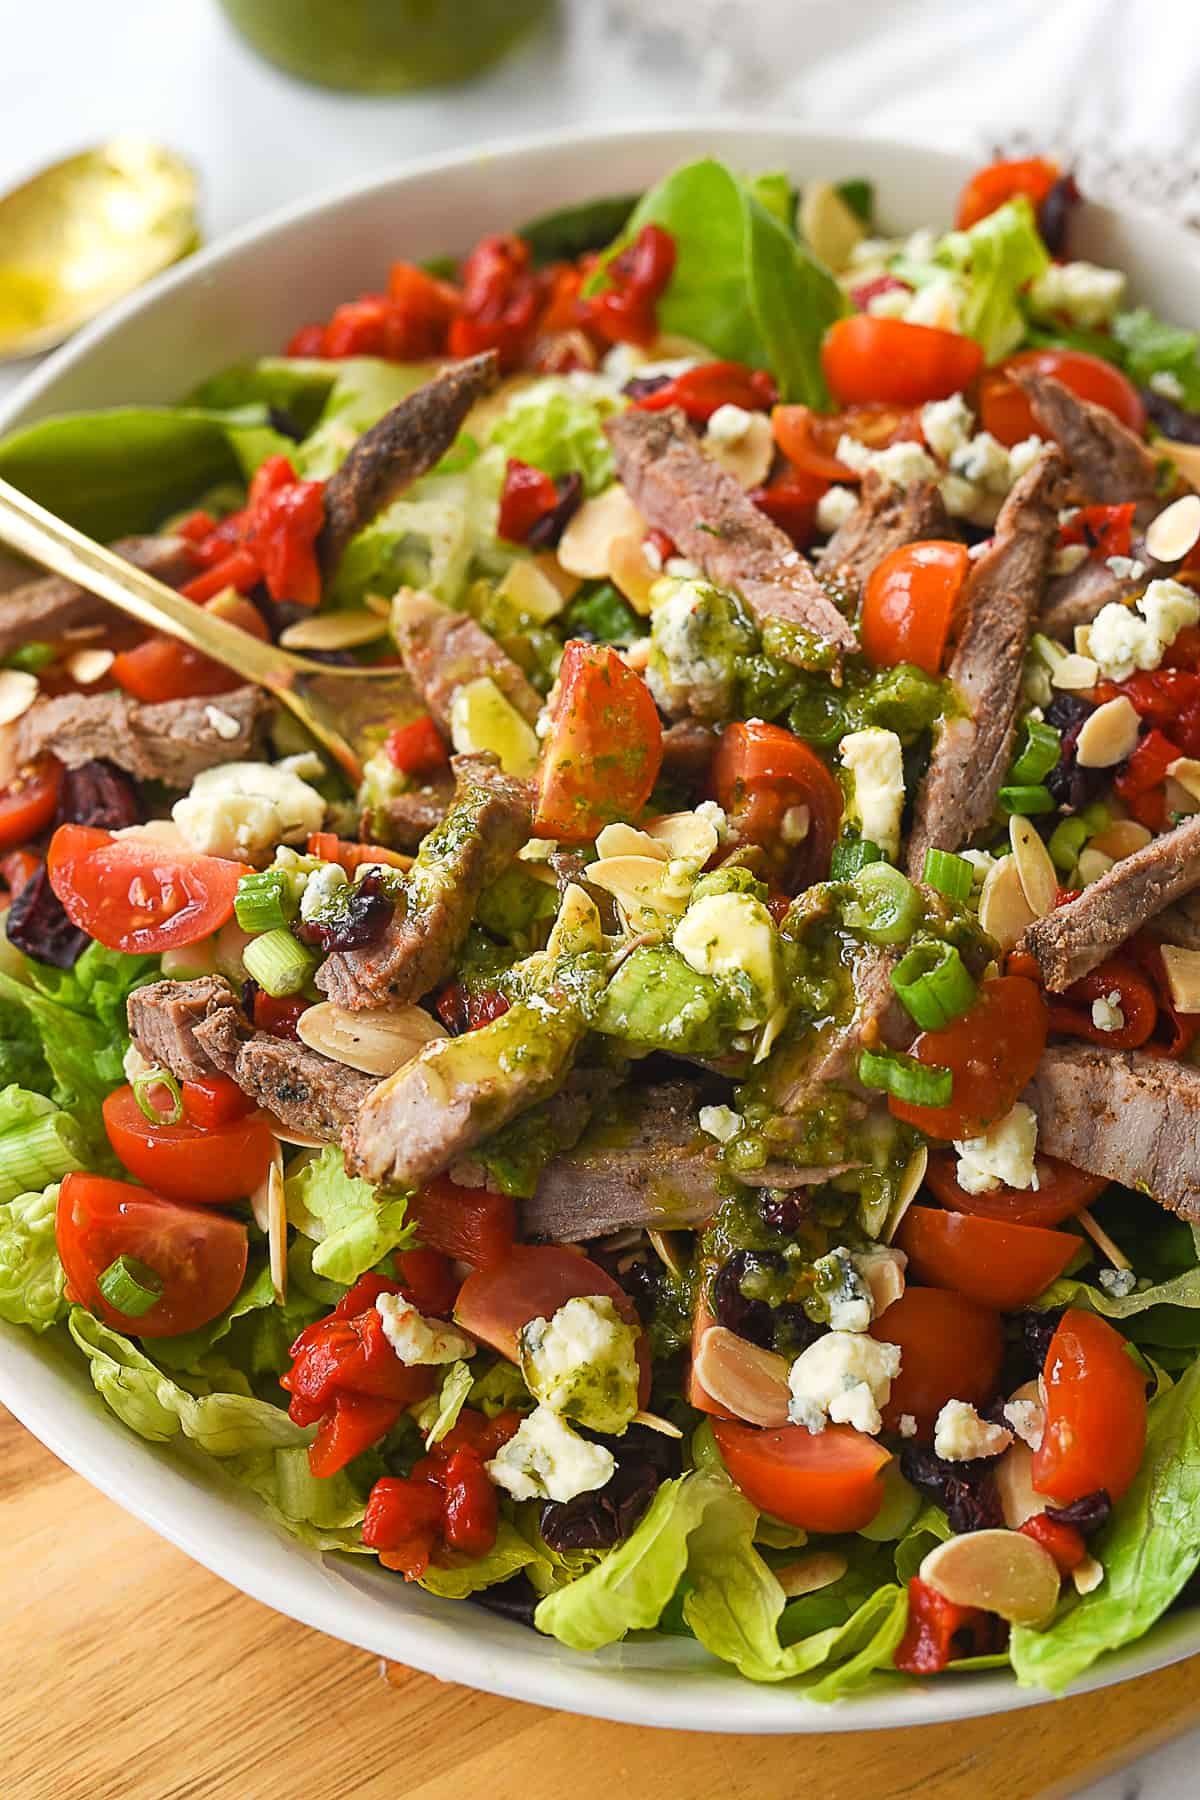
(866, 358)
(1005, 410)
(210, 1165)
(1061, 1192)
(950, 1349)
(909, 604)
(994, 186)
(823, 1481)
(1095, 1412)
(760, 774)
(992, 1052)
(28, 802)
(998, 1264)
(603, 751)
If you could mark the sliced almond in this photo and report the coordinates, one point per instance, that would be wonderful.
(1109, 734)
(809, 1574)
(1186, 771)
(87, 666)
(910, 1187)
(260, 1199)
(1075, 673)
(627, 840)
(1092, 865)
(531, 591)
(1183, 977)
(293, 1134)
(685, 834)
(378, 603)
(1004, 1572)
(378, 1040)
(567, 584)
(1123, 838)
(1179, 799)
(669, 1247)
(1013, 1476)
(637, 885)
(830, 226)
(655, 1422)
(883, 1272)
(1186, 458)
(277, 1227)
(630, 569)
(749, 1382)
(1174, 532)
(1101, 1239)
(585, 545)
(577, 926)
(1004, 912)
(334, 631)
(749, 457)
(1087, 1575)
(18, 691)
(1035, 871)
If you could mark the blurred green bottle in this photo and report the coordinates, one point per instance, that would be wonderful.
(385, 46)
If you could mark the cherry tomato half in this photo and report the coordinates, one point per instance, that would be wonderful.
(1000, 1265)
(950, 1349)
(603, 752)
(867, 358)
(198, 1255)
(909, 604)
(27, 803)
(1061, 1192)
(827, 1481)
(1005, 410)
(992, 1051)
(1095, 1412)
(1000, 182)
(139, 895)
(760, 773)
(810, 439)
(203, 1166)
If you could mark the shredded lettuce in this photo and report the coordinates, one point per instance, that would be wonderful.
(31, 1276)
(353, 1229)
(1149, 1549)
(449, 1401)
(556, 426)
(995, 260)
(324, 1511)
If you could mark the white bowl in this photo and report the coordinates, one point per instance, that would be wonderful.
(245, 297)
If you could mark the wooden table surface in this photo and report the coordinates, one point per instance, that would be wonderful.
(131, 1673)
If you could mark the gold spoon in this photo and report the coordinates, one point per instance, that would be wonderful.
(360, 700)
(84, 233)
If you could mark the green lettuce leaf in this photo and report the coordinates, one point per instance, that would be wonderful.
(297, 385)
(1152, 347)
(742, 285)
(449, 1402)
(628, 1589)
(31, 1276)
(996, 260)
(324, 1511)
(557, 427)
(571, 232)
(507, 1557)
(353, 1229)
(363, 389)
(223, 1422)
(1149, 1549)
(1166, 1251)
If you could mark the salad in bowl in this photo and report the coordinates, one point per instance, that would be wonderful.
(701, 1136)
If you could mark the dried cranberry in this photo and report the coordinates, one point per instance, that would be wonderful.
(735, 1310)
(1054, 214)
(1066, 712)
(545, 532)
(781, 1211)
(597, 1520)
(1070, 783)
(38, 925)
(100, 795)
(358, 917)
(1086, 1515)
(964, 1490)
(639, 387)
(1173, 420)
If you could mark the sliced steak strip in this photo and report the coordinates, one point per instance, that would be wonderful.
(1073, 939)
(165, 1017)
(1000, 601)
(45, 610)
(413, 815)
(885, 519)
(680, 489)
(443, 650)
(1110, 463)
(828, 1055)
(170, 742)
(301, 1087)
(1125, 1115)
(651, 1165)
(406, 443)
(1075, 599)
(486, 826)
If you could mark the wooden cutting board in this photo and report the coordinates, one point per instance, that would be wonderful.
(131, 1673)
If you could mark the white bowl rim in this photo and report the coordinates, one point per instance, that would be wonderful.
(601, 1686)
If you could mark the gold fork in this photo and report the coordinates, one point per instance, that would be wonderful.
(359, 700)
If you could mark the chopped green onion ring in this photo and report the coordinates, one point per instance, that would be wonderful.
(934, 985)
(131, 1287)
(1038, 754)
(948, 874)
(143, 1087)
(1027, 801)
(848, 857)
(886, 906)
(1066, 841)
(905, 1078)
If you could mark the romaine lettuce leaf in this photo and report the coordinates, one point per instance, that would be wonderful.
(445, 1406)
(324, 1511)
(1149, 1549)
(1152, 347)
(996, 260)
(556, 426)
(31, 1276)
(507, 1557)
(352, 1228)
(564, 235)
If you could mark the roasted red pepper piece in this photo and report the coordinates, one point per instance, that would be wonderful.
(700, 391)
(625, 312)
(416, 748)
(1103, 530)
(427, 1280)
(1072, 1014)
(1064, 1543)
(469, 1505)
(501, 300)
(356, 1422)
(1140, 783)
(933, 1624)
(527, 496)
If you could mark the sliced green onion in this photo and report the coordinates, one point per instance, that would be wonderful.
(130, 1287)
(32, 657)
(847, 858)
(933, 984)
(1065, 842)
(1096, 817)
(948, 874)
(1027, 800)
(279, 964)
(143, 1089)
(886, 906)
(817, 716)
(906, 1078)
(1038, 754)
(34, 1155)
(263, 901)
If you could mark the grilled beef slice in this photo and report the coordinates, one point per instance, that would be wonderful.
(683, 491)
(301, 1087)
(1122, 1114)
(1074, 939)
(169, 742)
(486, 826)
(443, 650)
(1075, 599)
(165, 1016)
(1002, 594)
(406, 443)
(1109, 462)
(828, 1055)
(45, 610)
(884, 520)
(413, 815)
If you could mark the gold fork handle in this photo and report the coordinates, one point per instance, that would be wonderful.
(50, 541)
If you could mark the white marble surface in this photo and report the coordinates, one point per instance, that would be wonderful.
(175, 71)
